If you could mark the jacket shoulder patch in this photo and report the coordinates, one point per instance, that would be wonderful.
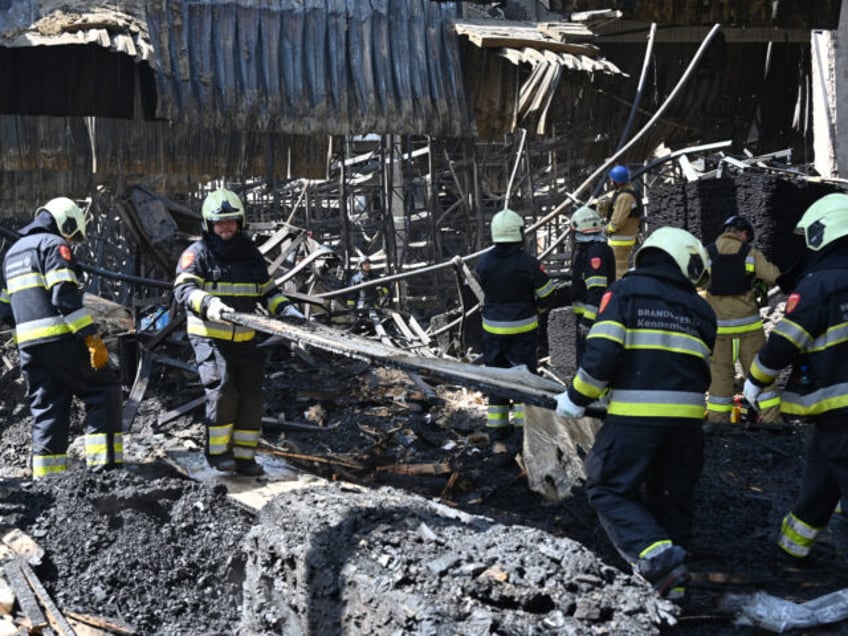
(596, 262)
(65, 252)
(187, 259)
(605, 300)
(792, 302)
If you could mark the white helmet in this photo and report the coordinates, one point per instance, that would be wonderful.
(824, 221)
(69, 218)
(507, 227)
(686, 250)
(586, 221)
(222, 205)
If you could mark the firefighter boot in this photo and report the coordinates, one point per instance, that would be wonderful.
(500, 433)
(223, 463)
(249, 468)
(666, 572)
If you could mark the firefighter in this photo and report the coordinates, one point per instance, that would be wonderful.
(811, 338)
(515, 290)
(368, 297)
(225, 272)
(737, 269)
(592, 271)
(61, 352)
(650, 346)
(623, 207)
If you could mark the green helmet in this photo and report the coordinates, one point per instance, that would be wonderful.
(222, 205)
(69, 218)
(825, 221)
(507, 227)
(586, 221)
(686, 250)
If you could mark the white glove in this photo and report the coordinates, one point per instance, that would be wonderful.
(216, 307)
(568, 408)
(752, 393)
(290, 311)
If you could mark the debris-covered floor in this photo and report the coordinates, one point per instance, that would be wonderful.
(417, 525)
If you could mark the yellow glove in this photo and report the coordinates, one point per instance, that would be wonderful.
(97, 352)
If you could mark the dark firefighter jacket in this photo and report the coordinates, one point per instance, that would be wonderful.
(592, 271)
(515, 288)
(651, 345)
(43, 298)
(812, 336)
(233, 270)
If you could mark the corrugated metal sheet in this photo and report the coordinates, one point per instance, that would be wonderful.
(284, 66)
(310, 66)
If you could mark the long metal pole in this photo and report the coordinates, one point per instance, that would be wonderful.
(569, 200)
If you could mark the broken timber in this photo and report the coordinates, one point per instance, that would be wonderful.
(517, 384)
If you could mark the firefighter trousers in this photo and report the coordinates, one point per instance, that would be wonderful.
(232, 374)
(622, 259)
(825, 476)
(55, 372)
(640, 480)
(505, 352)
(727, 351)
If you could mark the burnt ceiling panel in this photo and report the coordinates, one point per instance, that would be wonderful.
(786, 14)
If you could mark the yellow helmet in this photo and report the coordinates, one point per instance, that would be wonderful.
(507, 227)
(586, 221)
(69, 218)
(686, 250)
(824, 221)
(222, 205)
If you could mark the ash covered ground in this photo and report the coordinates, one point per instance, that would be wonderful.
(370, 551)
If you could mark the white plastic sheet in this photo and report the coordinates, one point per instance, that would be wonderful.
(779, 615)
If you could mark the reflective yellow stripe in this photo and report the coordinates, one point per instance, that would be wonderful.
(675, 404)
(43, 465)
(614, 331)
(818, 402)
(666, 341)
(719, 407)
(188, 277)
(518, 415)
(25, 281)
(40, 329)
(497, 415)
(655, 548)
(60, 276)
(226, 288)
(623, 241)
(796, 536)
(96, 449)
(244, 452)
(794, 333)
(769, 399)
(275, 301)
(79, 319)
(243, 437)
(764, 375)
(219, 330)
(219, 438)
(587, 385)
(835, 335)
(545, 290)
(512, 327)
(739, 325)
